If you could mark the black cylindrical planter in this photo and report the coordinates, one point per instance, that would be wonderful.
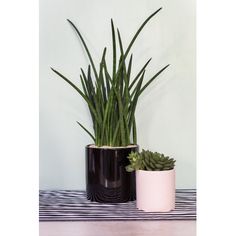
(106, 177)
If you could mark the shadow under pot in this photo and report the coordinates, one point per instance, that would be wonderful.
(106, 178)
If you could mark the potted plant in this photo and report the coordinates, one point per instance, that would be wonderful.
(155, 180)
(112, 99)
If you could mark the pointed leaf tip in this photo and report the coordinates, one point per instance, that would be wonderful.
(70, 21)
(154, 13)
(112, 24)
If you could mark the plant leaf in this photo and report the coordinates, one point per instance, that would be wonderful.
(155, 76)
(80, 92)
(86, 130)
(86, 48)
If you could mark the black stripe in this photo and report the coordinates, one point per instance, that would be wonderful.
(72, 205)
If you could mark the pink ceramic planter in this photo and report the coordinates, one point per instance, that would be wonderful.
(155, 190)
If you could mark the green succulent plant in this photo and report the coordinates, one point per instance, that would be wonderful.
(151, 161)
(112, 96)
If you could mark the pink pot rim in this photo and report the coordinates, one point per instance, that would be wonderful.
(155, 171)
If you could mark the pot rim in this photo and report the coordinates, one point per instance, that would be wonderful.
(92, 146)
(155, 171)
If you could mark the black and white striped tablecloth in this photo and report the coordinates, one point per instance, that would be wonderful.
(71, 205)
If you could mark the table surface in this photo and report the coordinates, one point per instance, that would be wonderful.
(119, 228)
(72, 205)
(115, 228)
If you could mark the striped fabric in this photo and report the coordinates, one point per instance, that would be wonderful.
(70, 205)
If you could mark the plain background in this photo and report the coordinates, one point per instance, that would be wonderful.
(216, 117)
(166, 113)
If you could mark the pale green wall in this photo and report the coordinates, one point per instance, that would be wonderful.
(166, 114)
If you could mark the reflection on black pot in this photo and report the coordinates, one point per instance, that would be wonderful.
(106, 177)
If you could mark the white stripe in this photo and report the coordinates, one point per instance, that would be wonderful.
(64, 205)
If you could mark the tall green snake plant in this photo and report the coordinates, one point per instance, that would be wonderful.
(112, 96)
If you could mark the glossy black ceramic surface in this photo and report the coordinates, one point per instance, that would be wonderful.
(106, 177)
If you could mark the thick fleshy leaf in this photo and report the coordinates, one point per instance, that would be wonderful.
(86, 130)
(85, 46)
(112, 96)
